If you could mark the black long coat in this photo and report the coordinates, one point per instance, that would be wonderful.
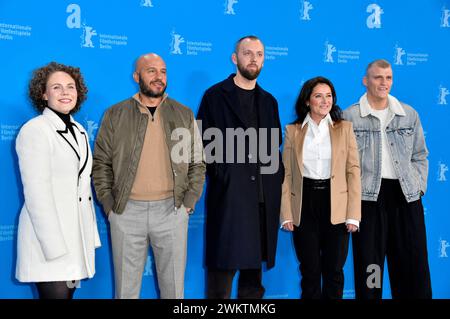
(232, 207)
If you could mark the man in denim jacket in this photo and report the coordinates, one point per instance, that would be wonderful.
(394, 169)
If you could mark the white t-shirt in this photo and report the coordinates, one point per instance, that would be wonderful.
(387, 167)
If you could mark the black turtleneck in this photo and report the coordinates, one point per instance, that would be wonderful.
(66, 119)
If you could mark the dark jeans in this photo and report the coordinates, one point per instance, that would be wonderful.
(393, 228)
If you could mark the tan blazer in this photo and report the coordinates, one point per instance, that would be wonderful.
(345, 181)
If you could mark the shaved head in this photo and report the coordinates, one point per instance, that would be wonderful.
(144, 59)
(150, 73)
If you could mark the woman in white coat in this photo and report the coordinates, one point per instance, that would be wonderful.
(57, 233)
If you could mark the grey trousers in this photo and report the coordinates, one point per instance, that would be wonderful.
(144, 223)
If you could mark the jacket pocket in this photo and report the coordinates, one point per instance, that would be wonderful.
(407, 136)
(361, 139)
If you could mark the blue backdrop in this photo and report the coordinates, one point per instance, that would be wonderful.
(303, 39)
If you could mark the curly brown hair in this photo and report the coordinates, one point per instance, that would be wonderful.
(38, 83)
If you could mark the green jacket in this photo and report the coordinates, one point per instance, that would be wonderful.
(118, 149)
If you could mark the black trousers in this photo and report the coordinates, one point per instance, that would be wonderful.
(220, 281)
(321, 247)
(56, 289)
(393, 228)
(249, 284)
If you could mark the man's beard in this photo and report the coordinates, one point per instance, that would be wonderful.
(145, 89)
(248, 74)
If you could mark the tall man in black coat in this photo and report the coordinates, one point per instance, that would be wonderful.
(241, 135)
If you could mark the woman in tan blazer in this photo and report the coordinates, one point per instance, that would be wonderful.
(321, 199)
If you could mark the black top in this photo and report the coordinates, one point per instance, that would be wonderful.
(247, 103)
(66, 119)
(152, 110)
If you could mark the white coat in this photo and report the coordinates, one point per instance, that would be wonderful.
(57, 233)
